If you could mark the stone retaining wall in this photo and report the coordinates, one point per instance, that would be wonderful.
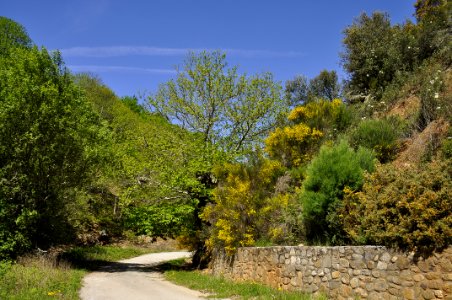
(343, 272)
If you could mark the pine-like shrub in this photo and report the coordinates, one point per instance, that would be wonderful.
(335, 168)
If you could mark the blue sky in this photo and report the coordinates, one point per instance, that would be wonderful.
(135, 45)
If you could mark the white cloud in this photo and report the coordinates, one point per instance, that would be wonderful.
(118, 69)
(158, 51)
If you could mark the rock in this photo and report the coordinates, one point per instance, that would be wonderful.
(402, 263)
(375, 273)
(382, 265)
(344, 263)
(447, 277)
(408, 294)
(335, 274)
(345, 279)
(428, 294)
(386, 257)
(439, 294)
(381, 285)
(354, 282)
(418, 277)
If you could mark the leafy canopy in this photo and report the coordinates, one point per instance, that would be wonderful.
(230, 110)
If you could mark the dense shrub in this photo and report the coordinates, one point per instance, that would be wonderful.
(335, 168)
(251, 205)
(377, 135)
(407, 209)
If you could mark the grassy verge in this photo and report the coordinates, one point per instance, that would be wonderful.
(223, 288)
(34, 278)
(37, 277)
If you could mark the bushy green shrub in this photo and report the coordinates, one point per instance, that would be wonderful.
(335, 168)
(377, 135)
(408, 209)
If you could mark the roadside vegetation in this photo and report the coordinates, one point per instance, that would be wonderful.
(220, 288)
(59, 275)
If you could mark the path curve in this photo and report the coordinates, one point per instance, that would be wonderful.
(136, 279)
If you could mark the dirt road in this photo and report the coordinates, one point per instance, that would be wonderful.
(136, 279)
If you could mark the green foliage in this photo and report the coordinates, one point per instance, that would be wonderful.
(433, 32)
(12, 35)
(377, 135)
(366, 43)
(335, 168)
(232, 111)
(132, 103)
(158, 180)
(169, 219)
(407, 209)
(434, 102)
(324, 86)
(49, 141)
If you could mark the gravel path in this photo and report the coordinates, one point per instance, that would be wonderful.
(136, 279)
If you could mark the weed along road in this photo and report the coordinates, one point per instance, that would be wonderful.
(136, 279)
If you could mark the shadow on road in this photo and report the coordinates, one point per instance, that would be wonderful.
(113, 267)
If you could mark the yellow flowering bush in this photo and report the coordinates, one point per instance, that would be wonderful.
(246, 207)
(295, 144)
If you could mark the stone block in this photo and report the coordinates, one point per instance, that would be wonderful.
(418, 277)
(354, 282)
(385, 257)
(345, 279)
(402, 263)
(433, 275)
(434, 284)
(394, 291)
(428, 294)
(335, 274)
(380, 285)
(408, 294)
(334, 284)
(357, 264)
(375, 296)
(357, 272)
(447, 277)
(382, 265)
(344, 263)
(361, 292)
(345, 291)
(439, 294)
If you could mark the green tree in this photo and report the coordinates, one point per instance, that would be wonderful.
(12, 35)
(325, 86)
(232, 111)
(300, 91)
(49, 141)
(334, 169)
(296, 91)
(365, 56)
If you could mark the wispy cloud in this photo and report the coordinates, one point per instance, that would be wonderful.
(159, 51)
(118, 69)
